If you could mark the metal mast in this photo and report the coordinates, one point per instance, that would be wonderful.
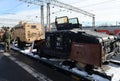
(48, 16)
(42, 16)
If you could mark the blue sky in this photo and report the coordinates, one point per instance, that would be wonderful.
(14, 6)
(9, 6)
(106, 11)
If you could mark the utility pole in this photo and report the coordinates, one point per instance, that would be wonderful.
(42, 16)
(48, 16)
(93, 21)
(116, 23)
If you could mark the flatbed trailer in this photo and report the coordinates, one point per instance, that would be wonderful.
(98, 75)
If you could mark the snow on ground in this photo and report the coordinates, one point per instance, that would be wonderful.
(114, 71)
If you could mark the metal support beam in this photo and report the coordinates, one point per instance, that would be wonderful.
(60, 4)
(69, 7)
(42, 17)
(93, 21)
(48, 16)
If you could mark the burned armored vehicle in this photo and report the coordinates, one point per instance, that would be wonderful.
(26, 33)
(83, 47)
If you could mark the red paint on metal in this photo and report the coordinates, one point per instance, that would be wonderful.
(116, 31)
(104, 31)
(86, 53)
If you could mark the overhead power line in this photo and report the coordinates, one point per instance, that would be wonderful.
(99, 3)
(14, 7)
(8, 11)
(6, 20)
(59, 4)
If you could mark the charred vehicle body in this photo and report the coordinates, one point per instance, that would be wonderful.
(83, 48)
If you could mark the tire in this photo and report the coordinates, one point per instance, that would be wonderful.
(20, 44)
(40, 50)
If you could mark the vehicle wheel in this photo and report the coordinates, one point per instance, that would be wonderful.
(89, 69)
(20, 44)
(40, 50)
(80, 66)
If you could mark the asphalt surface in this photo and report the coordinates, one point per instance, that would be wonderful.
(45, 69)
(10, 71)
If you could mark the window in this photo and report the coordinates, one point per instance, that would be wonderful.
(33, 26)
(73, 21)
(62, 20)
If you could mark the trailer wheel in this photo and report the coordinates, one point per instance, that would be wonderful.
(40, 49)
(89, 69)
(20, 44)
